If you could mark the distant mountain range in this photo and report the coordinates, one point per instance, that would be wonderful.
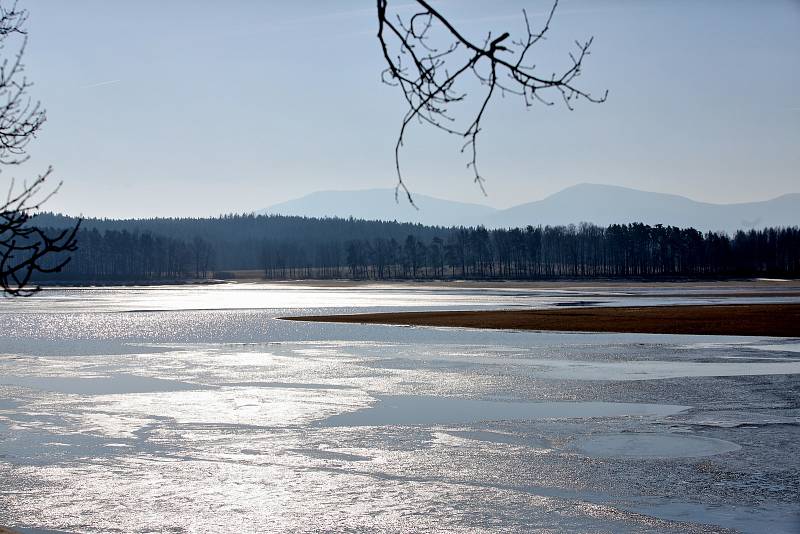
(380, 204)
(599, 204)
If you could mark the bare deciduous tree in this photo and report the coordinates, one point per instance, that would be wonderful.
(25, 249)
(432, 61)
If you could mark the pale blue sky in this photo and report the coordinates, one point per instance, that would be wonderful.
(199, 108)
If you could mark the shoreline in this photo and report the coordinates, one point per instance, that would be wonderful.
(577, 283)
(768, 320)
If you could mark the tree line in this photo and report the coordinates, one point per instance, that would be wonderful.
(282, 247)
(577, 251)
(133, 256)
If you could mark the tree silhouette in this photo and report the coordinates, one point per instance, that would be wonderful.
(25, 249)
(431, 61)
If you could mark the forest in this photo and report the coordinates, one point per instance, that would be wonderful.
(284, 247)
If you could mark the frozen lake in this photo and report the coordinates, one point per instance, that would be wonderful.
(195, 409)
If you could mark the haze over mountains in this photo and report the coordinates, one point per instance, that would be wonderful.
(380, 204)
(598, 204)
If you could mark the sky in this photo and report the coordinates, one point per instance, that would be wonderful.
(196, 108)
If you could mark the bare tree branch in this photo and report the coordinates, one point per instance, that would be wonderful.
(429, 74)
(25, 249)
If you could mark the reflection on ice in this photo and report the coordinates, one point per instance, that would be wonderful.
(97, 385)
(325, 454)
(775, 347)
(504, 438)
(636, 445)
(655, 370)
(430, 410)
(734, 419)
(775, 520)
(251, 406)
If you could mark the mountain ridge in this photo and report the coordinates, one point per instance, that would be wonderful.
(380, 204)
(600, 204)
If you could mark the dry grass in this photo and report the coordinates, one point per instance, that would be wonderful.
(782, 320)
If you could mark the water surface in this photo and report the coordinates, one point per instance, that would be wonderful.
(196, 409)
